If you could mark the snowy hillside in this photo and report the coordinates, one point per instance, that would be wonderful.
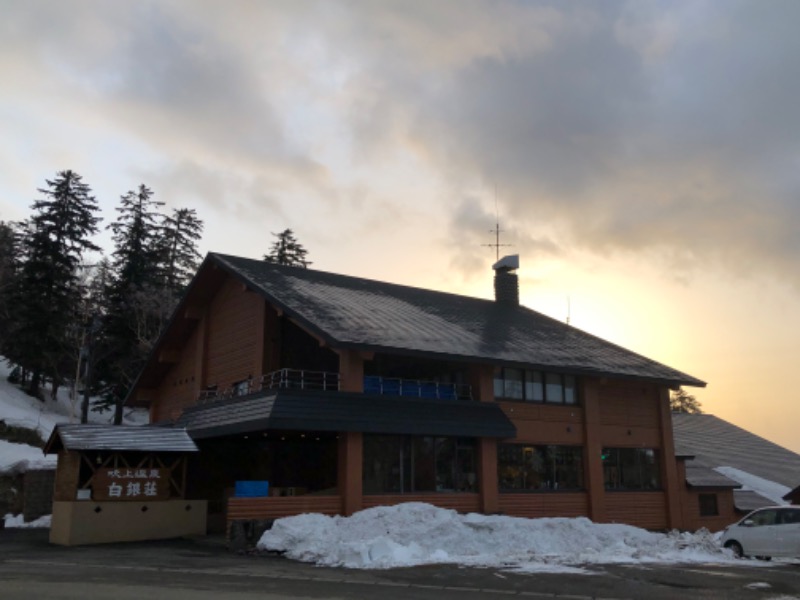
(20, 410)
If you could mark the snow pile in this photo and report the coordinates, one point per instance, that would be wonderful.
(19, 458)
(18, 521)
(764, 487)
(416, 534)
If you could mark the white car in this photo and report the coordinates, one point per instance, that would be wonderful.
(766, 532)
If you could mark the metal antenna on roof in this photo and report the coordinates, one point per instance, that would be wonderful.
(568, 309)
(496, 231)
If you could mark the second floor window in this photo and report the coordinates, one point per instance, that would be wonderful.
(535, 386)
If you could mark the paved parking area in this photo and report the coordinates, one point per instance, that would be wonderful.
(203, 568)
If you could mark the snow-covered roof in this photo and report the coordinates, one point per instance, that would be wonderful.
(716, 443)
(119, 438)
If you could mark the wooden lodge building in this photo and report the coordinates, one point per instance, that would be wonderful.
(345, 393)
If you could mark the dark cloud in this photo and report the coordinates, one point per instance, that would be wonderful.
(638, 126)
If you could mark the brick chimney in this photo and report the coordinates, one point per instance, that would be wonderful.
(506, 283)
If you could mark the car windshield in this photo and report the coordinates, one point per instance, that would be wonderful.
(762, 517)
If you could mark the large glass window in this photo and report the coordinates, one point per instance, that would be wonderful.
(396, 464)
(522, 467)
(631, 469)
(535, 386)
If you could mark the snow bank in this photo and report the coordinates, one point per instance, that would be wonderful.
(17, 521)
(416, 534)
(769, 489)
(19, 458)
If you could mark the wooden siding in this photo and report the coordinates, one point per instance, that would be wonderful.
(178, 389)
(287, 506)
(641, 509)
(689, 501)
(463, 503)
(545, 424)
(534, 506)
(629, 415)
(235, 328)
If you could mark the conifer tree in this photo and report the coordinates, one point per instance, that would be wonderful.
(8, 257)
(136, 278)
(286, 250)
(46, 291)
(683, 402)
(180, 232)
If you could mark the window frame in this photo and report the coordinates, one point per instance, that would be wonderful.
(708, 504)
(550, 471)
(534, 383)
(617, 467)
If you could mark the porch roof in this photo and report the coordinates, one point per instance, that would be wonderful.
(345, 411)
(118, 438)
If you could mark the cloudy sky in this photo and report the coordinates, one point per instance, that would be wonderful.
(643, 157)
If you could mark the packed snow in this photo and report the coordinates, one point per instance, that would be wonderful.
(18, 521)
(415, 533)
(764, 487)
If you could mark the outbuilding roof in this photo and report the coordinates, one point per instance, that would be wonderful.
(715, 442)
(119, 438)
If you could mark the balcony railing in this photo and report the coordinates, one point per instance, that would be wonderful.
(391, 386)
(326, 381)
(295, 379)
(300, 380)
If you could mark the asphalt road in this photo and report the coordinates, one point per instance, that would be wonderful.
(200, 569)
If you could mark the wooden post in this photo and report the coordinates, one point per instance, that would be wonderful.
(350, 475)
(593, 448)
(482, 382)
(669, 468)
(351, 443)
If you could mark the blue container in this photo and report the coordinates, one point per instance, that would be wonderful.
(251, 489)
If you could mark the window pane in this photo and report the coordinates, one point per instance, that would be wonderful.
(523, 467)
(465, 473)
(499, 388)
(708, 505)
(631, 469)
(383, 464)
(423, 465)
(570, 393)
(513, 384)
(534, 388)
(554, 392)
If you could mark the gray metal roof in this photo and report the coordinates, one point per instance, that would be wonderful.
(374, 315)
(296, 410)
(747, 500)
(703, 477)
(119, 438)
(716, 443)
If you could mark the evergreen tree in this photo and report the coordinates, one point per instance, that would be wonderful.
(683, 402)
(286, 250)
(8, 255)
(47, 292)
(180, 232)
(127, 330)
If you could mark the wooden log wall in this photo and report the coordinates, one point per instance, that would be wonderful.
(533, 506)
(276, 507)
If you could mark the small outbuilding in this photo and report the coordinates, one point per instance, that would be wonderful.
(117, 483)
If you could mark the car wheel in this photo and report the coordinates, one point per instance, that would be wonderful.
(738, 551)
